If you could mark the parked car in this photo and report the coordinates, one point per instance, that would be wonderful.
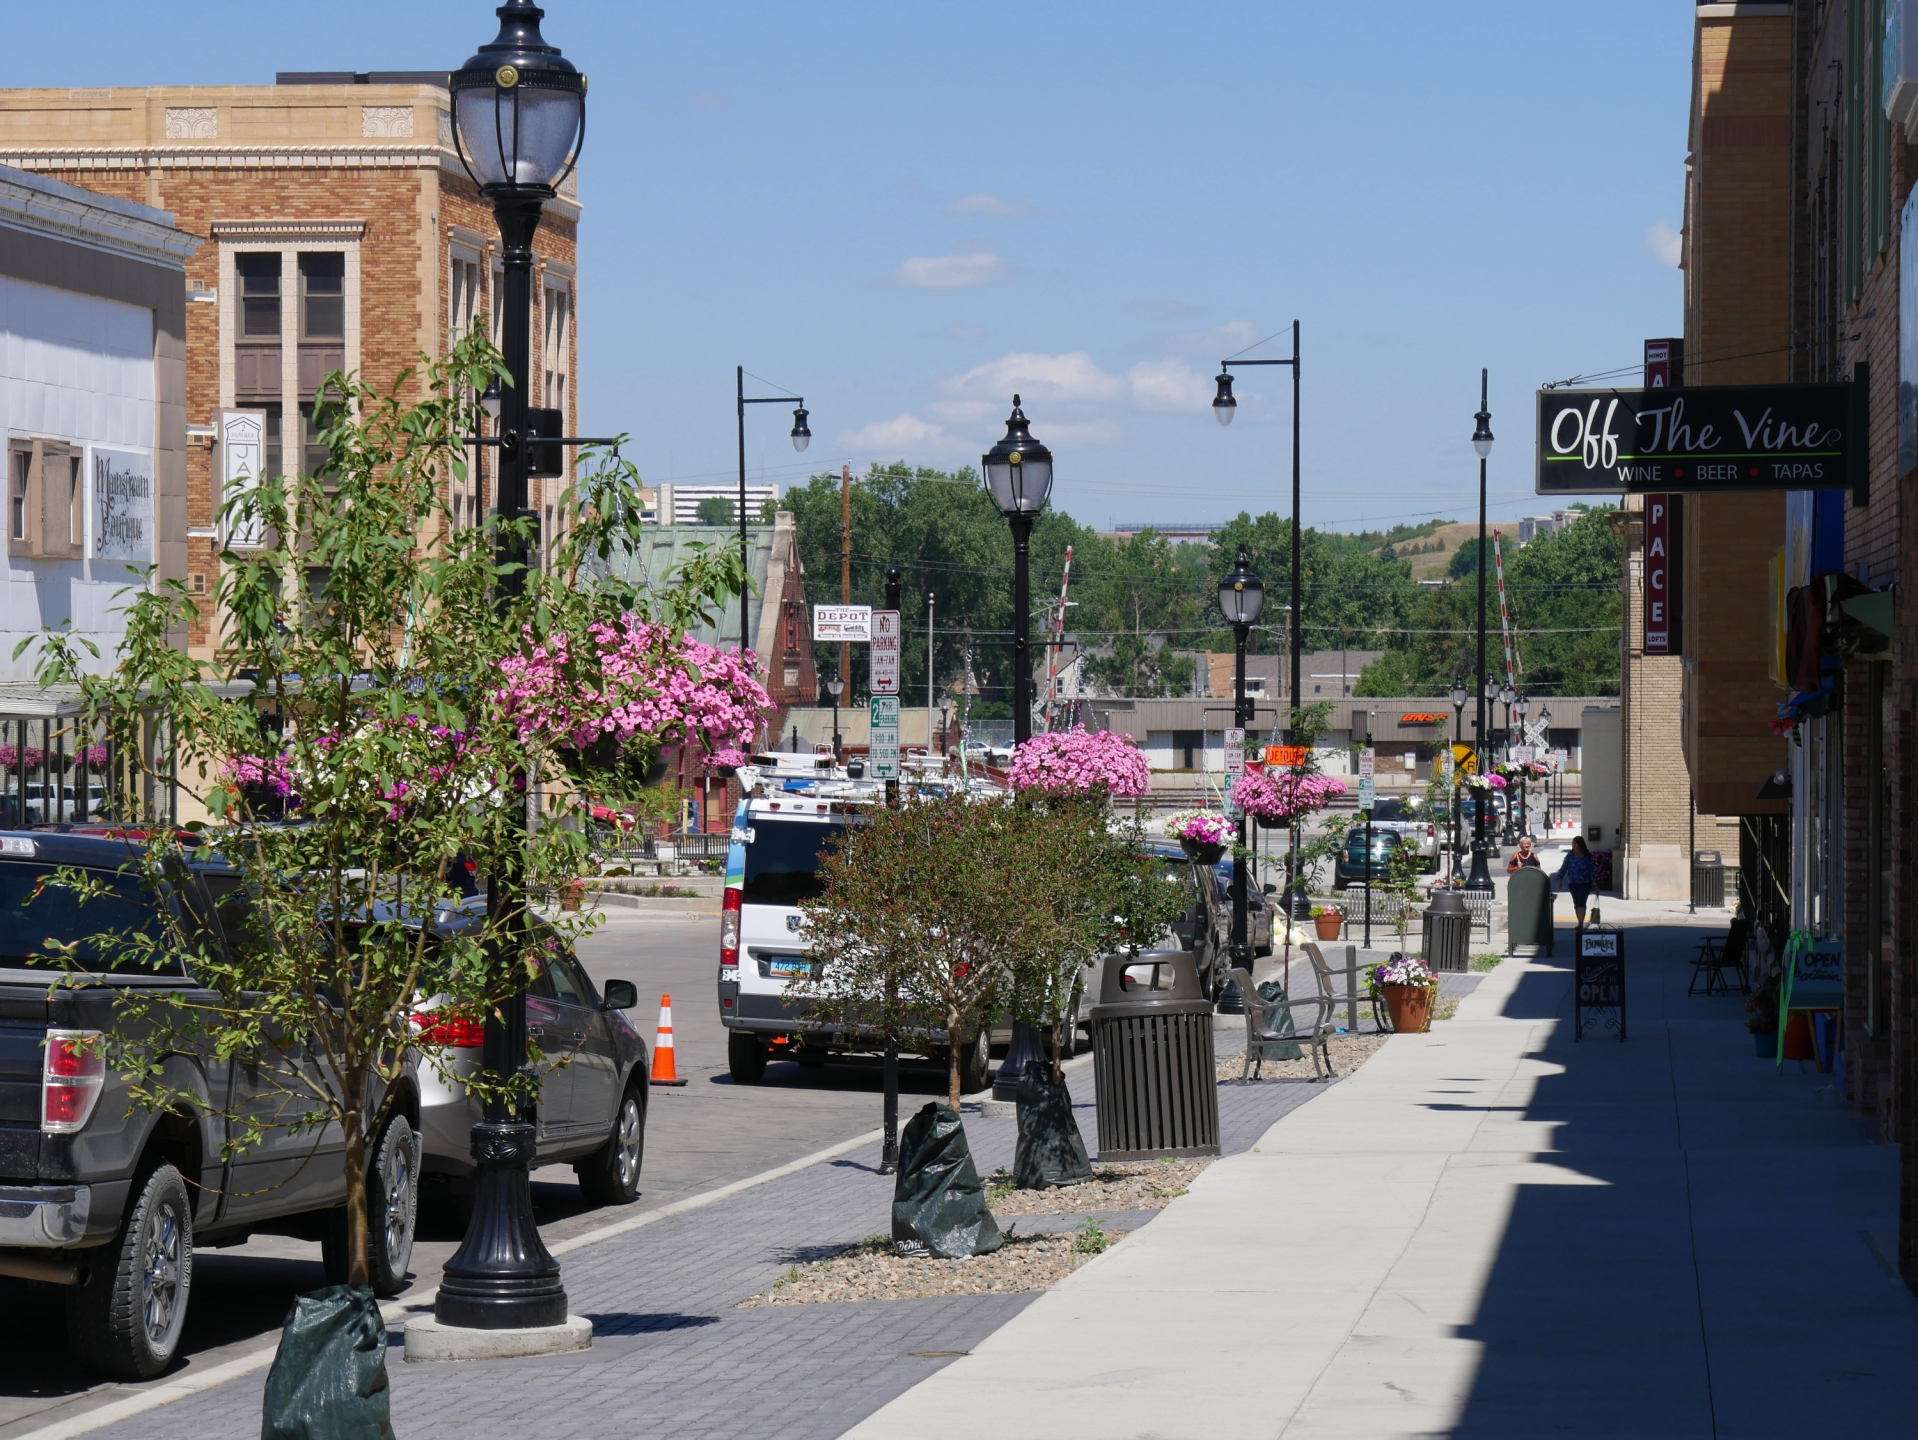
(593, 1065)
(1261, 910)
(1414, 825)
(109, 1200)
(1353, 864)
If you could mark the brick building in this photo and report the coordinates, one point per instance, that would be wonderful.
(340, 232)
(1800, 184)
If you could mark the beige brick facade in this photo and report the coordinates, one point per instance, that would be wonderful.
(364, 171)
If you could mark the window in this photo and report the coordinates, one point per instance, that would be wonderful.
(323, 296)
(462, 298)
(272, 461)
(259, 277)
(19, 488)
(1187, 746)
(558, 316)
(315, 458)
(76, 502)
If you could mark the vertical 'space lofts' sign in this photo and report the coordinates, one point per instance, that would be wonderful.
(242, 460)
(1698, 440)
(1658, 574)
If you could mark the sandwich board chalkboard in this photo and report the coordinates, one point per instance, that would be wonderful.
(1598, 980)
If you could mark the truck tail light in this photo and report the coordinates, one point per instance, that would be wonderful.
(70, 1079)
(434, 1031)
(729, 935)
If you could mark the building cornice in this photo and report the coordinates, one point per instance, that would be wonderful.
(288, 229)
(202, 156)
(99, 227)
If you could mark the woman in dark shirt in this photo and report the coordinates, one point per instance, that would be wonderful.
(1577, 874)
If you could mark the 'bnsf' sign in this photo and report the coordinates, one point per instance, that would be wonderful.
(1708, 438)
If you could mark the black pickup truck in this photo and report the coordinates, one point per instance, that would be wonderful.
(109, 1199)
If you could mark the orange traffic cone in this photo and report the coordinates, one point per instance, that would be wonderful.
(664, 1071)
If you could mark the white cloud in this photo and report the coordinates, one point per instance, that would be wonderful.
(984, 204)
(895, 437)
(1168, 384)
(951, 272)
(1664, 242)
(1072, 376)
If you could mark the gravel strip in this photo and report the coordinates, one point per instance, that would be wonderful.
(870, 1271)
(1133, 1185)
(1348, 1052)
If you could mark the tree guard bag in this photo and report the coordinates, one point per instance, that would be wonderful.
(1051, 1151)
(328, 1380)
(937, 1200)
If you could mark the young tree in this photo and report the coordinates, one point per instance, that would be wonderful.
(380, 686)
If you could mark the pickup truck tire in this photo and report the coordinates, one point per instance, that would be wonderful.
(125, 1321)
(610, 1175)
(975, 1065)
(745, 1057)
(392, 1212)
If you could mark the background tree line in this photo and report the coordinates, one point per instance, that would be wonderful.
(1142, 605)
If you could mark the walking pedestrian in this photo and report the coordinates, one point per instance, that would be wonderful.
(1522, 857)
(1577, 874)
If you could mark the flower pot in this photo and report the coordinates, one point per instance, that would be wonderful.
(1328, 926)
(1205, 852)
(1271, 822)
(572, 894)
(1410, 1007)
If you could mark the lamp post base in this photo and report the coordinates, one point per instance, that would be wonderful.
(1481, 876)
(502, 1277)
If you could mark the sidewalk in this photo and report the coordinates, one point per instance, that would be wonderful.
(1489, 1232)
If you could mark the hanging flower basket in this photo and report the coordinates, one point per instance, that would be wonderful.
(1271, 822)
(1082, 762)
(1205, 852)
(603, 762)
(1277, 798)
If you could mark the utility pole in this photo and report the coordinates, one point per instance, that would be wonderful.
(889, 1145)
(845, 561)
(930, 707)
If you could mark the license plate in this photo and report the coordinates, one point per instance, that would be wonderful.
(789, 965)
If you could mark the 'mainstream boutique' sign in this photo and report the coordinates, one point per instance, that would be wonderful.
(1700, 440)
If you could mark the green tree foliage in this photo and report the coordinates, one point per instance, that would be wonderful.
(360, 665)
(1347, 595)
(1563, 590)
(714, 510)
(1464, 560)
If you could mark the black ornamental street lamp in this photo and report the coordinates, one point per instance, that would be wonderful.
(1018, 472)
(1481, 876)
(1241, 596)
(801, 438)
(1507, 693)
(519, 119)
(1458, 738)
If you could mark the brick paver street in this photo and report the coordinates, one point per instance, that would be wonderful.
(673, 1356)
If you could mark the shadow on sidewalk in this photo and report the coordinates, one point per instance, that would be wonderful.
(1694, 1262)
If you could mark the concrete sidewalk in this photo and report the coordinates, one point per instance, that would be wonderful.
(1488, 1231)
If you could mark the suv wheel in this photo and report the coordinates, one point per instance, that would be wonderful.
(975, 1065)
(610, 1175)
(125, 1321)
(745, 1057)
(392, 1209)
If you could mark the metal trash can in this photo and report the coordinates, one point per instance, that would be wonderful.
(1152, 1059)
(1708, 880)
(1448, 933)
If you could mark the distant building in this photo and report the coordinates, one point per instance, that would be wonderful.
(1187, 533)
(1323, 674)
(679, 504)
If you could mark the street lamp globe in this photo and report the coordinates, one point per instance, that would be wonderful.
(802, 437)
(1507, 693)
(519, 109)
(1491, 690)
(1482, 437)
(1522, 706)
(1241, 593)
(1018, 469)
(1545, 718)
(835, 687)
(1224, 407)
(1459, 694)
(489, 399)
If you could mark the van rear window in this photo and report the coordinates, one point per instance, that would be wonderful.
(32, 913)
(782, 860)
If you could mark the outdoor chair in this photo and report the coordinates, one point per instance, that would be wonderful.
(1344, 984)
(1263, 1017)
(1478, 905)
(1716, 954)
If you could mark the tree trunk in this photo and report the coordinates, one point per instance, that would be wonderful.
(1058, 1049)
(357, 1272)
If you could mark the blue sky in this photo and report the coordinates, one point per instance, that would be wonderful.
(907, 212)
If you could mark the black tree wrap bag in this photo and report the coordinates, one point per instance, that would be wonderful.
(937, 1200)
(1051, 1150)
(328, 1381)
